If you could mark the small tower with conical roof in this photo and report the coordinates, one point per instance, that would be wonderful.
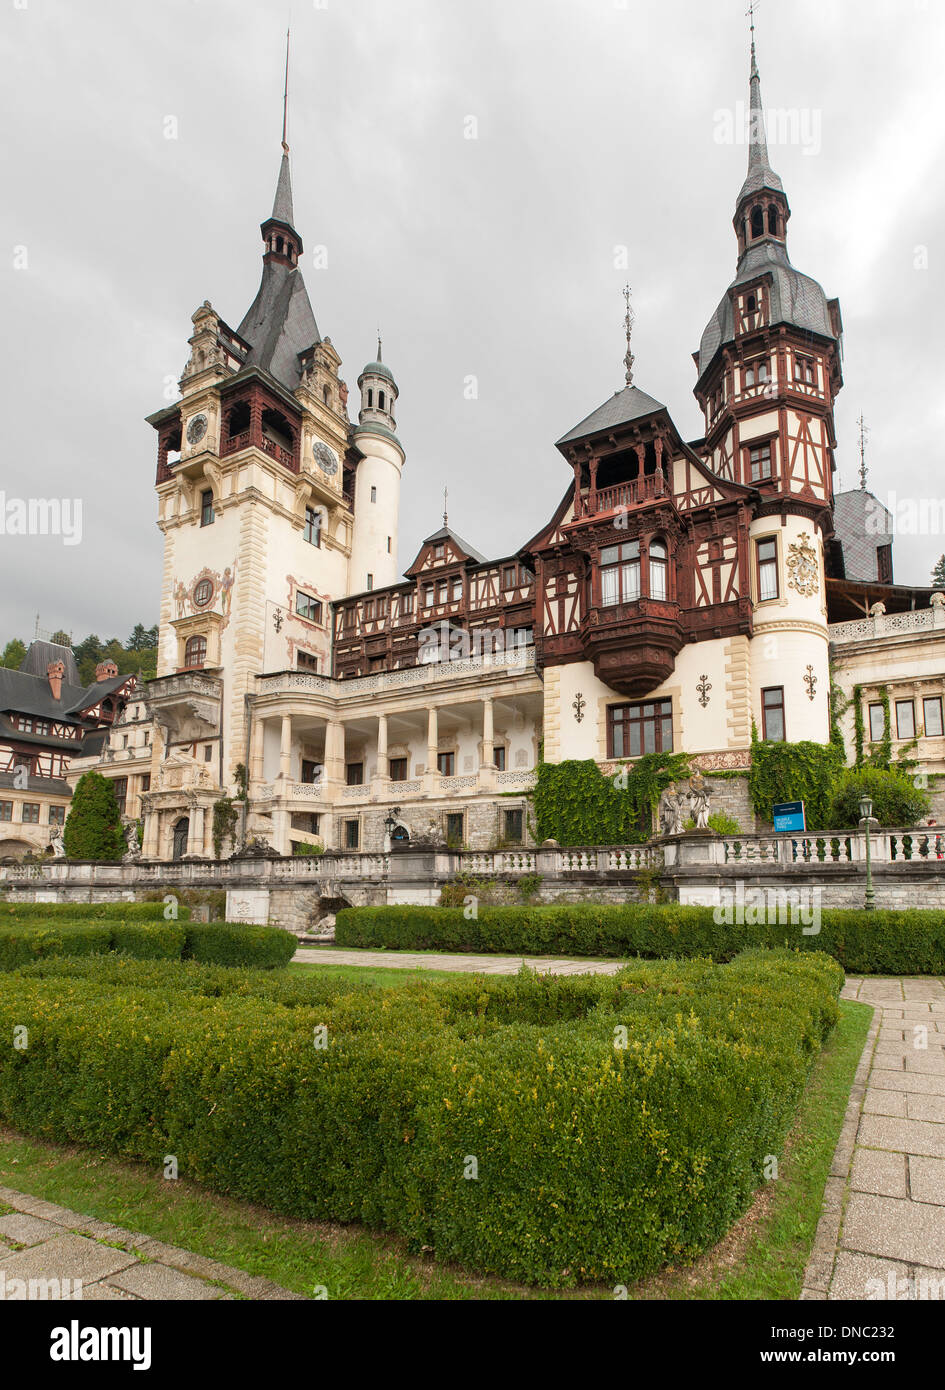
(377, 481)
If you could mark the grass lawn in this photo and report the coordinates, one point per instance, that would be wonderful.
(374, 975)
(763, 1257)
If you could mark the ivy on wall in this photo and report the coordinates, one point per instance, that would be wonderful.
(794, 772)
(224, 823)
(576, 804)
(858, 729)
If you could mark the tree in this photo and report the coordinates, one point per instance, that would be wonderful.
(938, 574)
(142, 639)
(13, 654)
(93, 827)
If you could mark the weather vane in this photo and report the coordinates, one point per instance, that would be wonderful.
(628, 324)
(446, 520)
(864, 435)
(285, 98)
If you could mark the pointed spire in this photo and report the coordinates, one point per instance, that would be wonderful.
(760, 174)
(282, 210)
(379, 357)
(628, 326)
(446, 517)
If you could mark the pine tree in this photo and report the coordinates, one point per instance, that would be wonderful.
(93, 826)
(13, 654)
(938, 573)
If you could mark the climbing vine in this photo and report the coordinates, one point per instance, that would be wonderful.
(576, 804)
(224, 823)
(858, 729)
(794, 772)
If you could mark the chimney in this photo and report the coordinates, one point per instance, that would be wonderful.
(55, 671)
(105, 670)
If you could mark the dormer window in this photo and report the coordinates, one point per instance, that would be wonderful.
(438, 552)
(752, 304)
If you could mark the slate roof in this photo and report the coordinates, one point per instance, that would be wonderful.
(623, 407)
(861, 524)
(445, 534)
(41, 655)
(280, 323)
(795, 299)
(23, 692)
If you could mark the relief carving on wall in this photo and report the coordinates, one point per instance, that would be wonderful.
(802, 566)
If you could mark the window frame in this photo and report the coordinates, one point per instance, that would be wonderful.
(871, 706)
(631, 721)
(773, 707)
(207, 514)
(449, 757)
(312, 530)
(933, 700)
(398, 763)
(902, 704)
(762, 564)
(758, 446)
(620, 567)
(312, 614)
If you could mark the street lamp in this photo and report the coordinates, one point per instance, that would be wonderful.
(866, 812)
(390, 825)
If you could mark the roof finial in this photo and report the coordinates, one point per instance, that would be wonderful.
(285, 98)
(864, 435)
(446, 518)
(628, 324)
(379, 357)
(751, 14)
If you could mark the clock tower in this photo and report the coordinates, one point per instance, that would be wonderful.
(259, 478)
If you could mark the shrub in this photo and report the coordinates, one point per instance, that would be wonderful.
(794, 772)
(219, 943)
(594, 1160)
(78, 912)
(225, 943)
(93, 825)
(896, 799)
(20, 944)
(879, 942)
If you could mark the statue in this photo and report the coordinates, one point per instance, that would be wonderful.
(671, 811)
(699, 800)
(58, 843)
(132, 848)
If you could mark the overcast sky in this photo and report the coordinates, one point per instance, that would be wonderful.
(598, 125)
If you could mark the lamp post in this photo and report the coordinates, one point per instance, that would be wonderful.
(390, 824)
(866, 812)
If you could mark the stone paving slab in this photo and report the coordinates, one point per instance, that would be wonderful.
(471, 964)
(888, 1241)
(63, 1244)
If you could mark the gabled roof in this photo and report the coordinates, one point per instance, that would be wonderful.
(445, 534)
(623, 407)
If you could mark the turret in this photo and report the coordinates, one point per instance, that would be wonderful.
(377, 482)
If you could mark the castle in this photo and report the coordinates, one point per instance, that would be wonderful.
(682, 591)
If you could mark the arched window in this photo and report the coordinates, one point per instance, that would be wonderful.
(659, 569)
(752, 304)
(279, 244)
(195, 652)
(370, 399)
(757, 222)
(380, 400)
(773, 221)
(326, 395)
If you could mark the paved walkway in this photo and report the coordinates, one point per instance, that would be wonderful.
(882, 1231)
(481, 965)
(51, 1245)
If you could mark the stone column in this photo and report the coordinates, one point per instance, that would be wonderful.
(195, 831)
(383, 767)
(257, 750)
(151, 843)
(285, 749)
(488, 734)
(334, 752)
(432, 741)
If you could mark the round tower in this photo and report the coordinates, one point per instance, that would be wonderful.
(377, 482)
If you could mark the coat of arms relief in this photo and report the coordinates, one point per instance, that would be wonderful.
(802, 566)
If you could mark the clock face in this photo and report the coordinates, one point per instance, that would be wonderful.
(196, 429)
(325, 457)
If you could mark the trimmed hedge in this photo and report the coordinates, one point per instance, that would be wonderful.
(217, 943)
(507, 1124)
(80, 912)
(868, 943)
(222, 943)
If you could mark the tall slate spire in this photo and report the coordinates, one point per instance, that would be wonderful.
(282, 203)
(760, 174)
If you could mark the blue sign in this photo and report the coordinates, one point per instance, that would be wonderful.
(789, 815)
